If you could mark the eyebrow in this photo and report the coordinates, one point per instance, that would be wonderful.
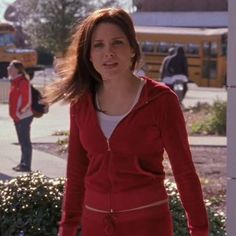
(115, 38)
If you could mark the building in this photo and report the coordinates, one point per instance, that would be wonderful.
(180, 5)
(182, 13)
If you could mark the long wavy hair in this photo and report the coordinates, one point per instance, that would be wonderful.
(76, 72)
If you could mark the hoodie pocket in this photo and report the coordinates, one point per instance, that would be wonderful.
(141, 170)
(131, 166)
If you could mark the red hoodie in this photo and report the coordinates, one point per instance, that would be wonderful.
(20, 99)
(126, 171)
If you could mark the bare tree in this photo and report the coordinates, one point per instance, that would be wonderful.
(48, 23)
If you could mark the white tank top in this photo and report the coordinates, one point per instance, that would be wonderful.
(107, 122)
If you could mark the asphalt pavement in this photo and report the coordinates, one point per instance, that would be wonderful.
(58, 119)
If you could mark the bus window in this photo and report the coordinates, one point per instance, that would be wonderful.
(193, 49)
(209, 69)
(214, 49)
(163, 47)
(210, 49)
(176, 45)
(206, 49)
(6, 40)
(148, 47)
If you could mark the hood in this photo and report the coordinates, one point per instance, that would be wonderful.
(153, 90)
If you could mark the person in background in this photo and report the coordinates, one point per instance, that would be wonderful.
(20, 111)
(120, 125)
(178, 66)
(165, 74)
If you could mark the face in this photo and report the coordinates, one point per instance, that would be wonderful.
(110, 53)
(12, 71)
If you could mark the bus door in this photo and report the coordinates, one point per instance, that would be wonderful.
(149, 53)
(210, 76)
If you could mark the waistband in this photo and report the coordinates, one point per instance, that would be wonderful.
(127, 210)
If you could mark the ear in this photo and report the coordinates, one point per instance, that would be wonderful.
(132, 53)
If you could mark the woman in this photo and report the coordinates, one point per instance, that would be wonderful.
(20, 111)
(120, 126)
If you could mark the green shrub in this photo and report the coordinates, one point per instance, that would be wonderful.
(217, 119)
(62, 141)
(215, 123)
(60, 133)
(216, 217)
(199, 128)
(198, 107)
(32, 203)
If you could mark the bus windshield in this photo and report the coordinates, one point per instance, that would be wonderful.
(6, 39)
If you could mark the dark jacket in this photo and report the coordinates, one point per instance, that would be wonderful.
(177, 64)
(165, 70)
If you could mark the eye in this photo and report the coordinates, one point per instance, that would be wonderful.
(98, 45)
(118, 42)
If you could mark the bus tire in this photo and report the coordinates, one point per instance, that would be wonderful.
(180, 88)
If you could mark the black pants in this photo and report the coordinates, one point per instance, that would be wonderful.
(23, 135)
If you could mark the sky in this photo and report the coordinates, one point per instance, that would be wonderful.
(3, 6)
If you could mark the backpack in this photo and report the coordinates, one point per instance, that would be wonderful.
(38, 108)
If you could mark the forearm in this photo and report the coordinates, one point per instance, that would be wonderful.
(69, 224)
(191, 196)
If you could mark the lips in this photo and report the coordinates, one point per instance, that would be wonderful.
(110, 64)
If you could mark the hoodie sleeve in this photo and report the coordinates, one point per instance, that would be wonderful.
(74, 187)
(175, 140)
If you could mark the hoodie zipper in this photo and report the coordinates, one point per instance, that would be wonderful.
(135, 109)
(108, 139)
(108, 145)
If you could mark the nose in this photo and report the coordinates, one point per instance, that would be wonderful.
(109, 51)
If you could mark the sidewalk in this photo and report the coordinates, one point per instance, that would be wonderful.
(49, 165)
(208, 141)
(42, 129)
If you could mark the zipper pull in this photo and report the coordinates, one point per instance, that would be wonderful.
(108, 145)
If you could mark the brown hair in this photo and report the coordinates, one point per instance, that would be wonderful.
(20, 67)
(75, 69)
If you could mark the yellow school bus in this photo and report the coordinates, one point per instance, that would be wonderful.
(9, 51)
(205, 50)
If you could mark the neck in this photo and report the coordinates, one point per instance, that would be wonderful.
(116, 98)
(119, 86)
